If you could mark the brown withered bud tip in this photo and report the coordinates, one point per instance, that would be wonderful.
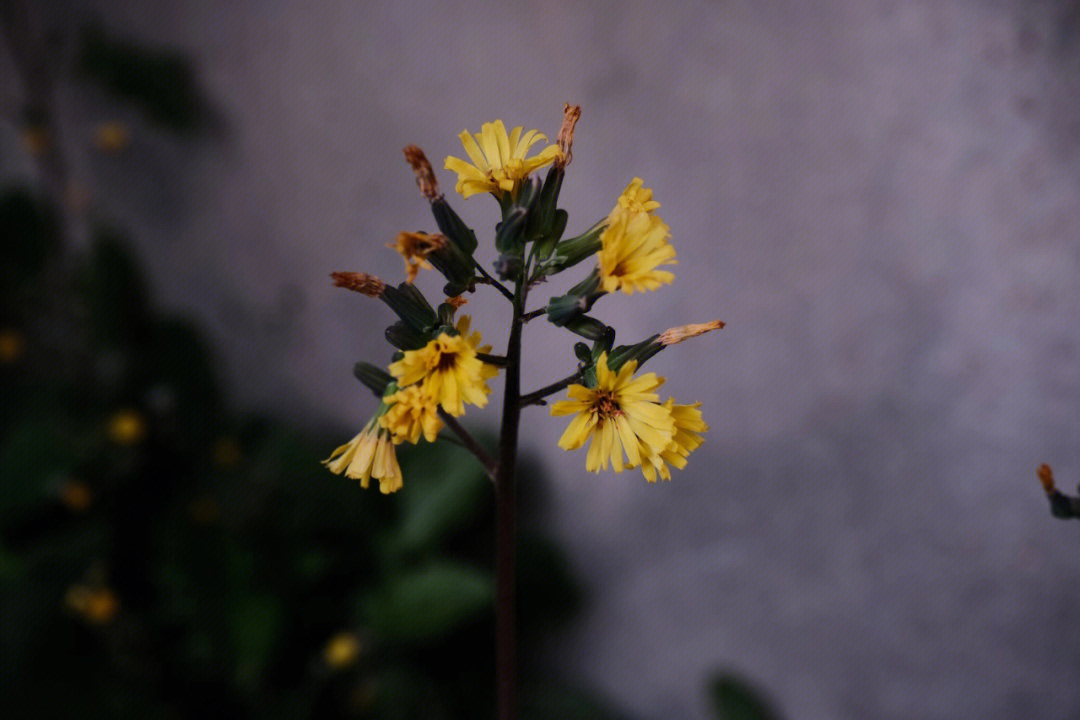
(425, 176)
(360, 282)
(675, 335)
(565, 139)
(1046, 477)
(456, 301)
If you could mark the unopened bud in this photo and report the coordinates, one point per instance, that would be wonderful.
(425, 176)
(565, 138)
(675, 335)
(360, 282)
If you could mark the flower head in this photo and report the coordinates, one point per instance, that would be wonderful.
(368, 455)
(631, 248)
(635, 199)
(686, 439)
(449, 370)
(620, 415)
(415, 247)
(499, 162)
(412, 412)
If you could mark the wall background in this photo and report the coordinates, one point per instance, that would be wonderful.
(881, 200)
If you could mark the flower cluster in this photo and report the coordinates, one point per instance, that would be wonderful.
(440, 364)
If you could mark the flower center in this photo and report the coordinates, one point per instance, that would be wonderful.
(606, 405)
(447, 361)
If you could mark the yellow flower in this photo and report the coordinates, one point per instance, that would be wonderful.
(635, 199)
(342, 650)
(631, 248)
(498, 162)
(12, 344)
(415, 247)
(127, 427)
(449, 370)
(688, 424)
(368, 455)
(621, 415)
(411, 412)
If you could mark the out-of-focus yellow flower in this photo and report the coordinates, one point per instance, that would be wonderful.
(96, 604)
(634, 199)
(127, 427)
(76, 495)
(111, 137)
(341, 651)
(412, 412)
(227, 452)
(499, 162)
(631, 248)
(368, 455)
(686, 439)
(12, 345)
(620, 415)
(36, 139)
(449, 370)
(415, 247)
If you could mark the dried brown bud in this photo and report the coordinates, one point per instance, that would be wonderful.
(456, 301)
(360, 282)
(565, 139)
(674, 335)
(1046, 477)
(425, 176)
(415, 247)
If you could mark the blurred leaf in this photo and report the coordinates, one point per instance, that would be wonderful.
(735, 698)
(35, 454)
(453, 496)
(180, 377)
(427, 603)
(547, 591)
(551, 702)
(116, 295)
(256, 623)
(29, 234)
(160, 82)
(401, 693)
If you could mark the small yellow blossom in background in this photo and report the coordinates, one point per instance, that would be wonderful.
(499, 162)
(688, 425)
(227, 452)
(634, 199)
(127, 427)
(12, 345)
(415, 247)
(97, 605)
(36, 139)
(76, 495)
(412, 412)
(620, 415)
(111, 137)
(341, 651)
(631, 248)
(449, 369)
(368, 455)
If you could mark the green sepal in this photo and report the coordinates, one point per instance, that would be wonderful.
(641, 352)
(545, 246)
(404, 337)
(454, 265)
(590, 328)
(571, 252)
(563, 309)
(453, 226)
(510, 233)
(583, 353)
(374, 378)
(446, 314)
(410, 305)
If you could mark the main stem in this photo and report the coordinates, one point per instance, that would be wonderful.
(506, 525)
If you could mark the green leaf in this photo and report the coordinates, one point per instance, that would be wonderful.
(448, 502)
(551, 702)
(35, 454)
(735, 698)
(255, 622)
(115, 292)
(29, 233)
(428, 603)
(547, 590)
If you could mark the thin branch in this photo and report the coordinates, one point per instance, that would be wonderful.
(534, 314)
(537, 398)
(469, 443)
(496, 360)
(493, 282)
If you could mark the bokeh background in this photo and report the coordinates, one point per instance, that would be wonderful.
(881, 199)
